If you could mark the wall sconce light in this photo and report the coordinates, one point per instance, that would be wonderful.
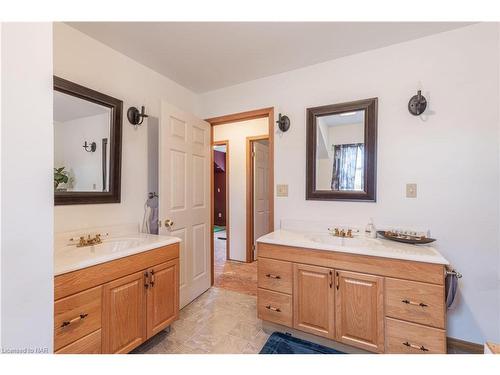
(283, 123)
(135, 117)
(417, 104)
(90, 147)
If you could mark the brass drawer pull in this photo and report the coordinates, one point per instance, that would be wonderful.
(271, 276)
(269, 307)
(77, 319)
(413, 346)
(152, 278)
(408, 302)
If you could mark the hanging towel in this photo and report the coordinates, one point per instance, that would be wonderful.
(152, 218)
(451, 285)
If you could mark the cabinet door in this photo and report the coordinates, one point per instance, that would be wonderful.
(124, 313)
(163, 296)
(313, 294)
(359, 310)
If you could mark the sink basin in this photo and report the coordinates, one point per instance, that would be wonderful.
(108, 245)
(68, 257)
(328, 239)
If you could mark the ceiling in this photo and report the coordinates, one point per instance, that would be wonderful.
(347, 118)
(67, 108)
(204, 56)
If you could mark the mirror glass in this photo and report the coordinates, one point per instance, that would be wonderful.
(340, 151)
(81, 144)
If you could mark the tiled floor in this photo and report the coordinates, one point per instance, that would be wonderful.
(219, 321)
(237, 276)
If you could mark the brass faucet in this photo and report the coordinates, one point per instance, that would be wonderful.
(342, 233)
(89, 241)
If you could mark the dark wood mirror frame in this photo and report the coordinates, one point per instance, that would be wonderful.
(115, 154)
(369, 194)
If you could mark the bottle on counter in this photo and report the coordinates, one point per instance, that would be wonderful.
(370, 230)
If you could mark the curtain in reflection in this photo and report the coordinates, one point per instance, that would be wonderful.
(348, 166)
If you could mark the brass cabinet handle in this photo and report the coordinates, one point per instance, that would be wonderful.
(331, 279)
(409, 302)
(337, 280)
(152, 278)
(418, 347)
(146, 279)
(271, 276)
(76, 319)
(269, 307)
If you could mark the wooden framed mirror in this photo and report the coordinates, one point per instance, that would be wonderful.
(341, 151)
(87, 145)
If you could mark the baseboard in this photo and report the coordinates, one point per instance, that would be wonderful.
(463, 347)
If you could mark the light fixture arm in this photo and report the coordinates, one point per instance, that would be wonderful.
(135, 117)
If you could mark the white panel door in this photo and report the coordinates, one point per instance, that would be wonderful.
(184, 195)
(260, 191)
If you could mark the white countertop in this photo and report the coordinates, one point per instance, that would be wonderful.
(68, 257)
(377, 247)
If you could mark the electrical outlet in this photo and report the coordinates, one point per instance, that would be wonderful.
(411, 190)
(281, 190)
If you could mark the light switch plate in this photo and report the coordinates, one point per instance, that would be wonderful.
(411, 190)
(281, 190)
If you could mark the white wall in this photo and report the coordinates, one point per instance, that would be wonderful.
(90, 63)
(452, 152)
(237, 133)
(1, 25)
(27, 188)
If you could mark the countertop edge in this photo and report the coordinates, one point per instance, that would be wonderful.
(321, 247)
(123, 254)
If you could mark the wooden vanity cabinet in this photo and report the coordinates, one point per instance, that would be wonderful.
(124, 312)
(313, 300)
(162, 306)
(377, 304)
(115, 306)
(359, 310)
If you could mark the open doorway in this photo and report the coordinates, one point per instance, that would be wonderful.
(220, 202)
(242, 163)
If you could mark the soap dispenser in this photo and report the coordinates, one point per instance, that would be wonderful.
(370, 229)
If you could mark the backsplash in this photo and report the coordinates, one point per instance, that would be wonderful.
(315, 226)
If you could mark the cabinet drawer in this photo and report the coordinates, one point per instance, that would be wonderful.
(275, 275)
(76, 316)
(415, 301)
(90, 344)
(274, 307)
(408, 338)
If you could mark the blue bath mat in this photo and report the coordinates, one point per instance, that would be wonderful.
(280, 343)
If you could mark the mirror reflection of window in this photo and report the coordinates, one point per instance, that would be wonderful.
(340, 152)
(79, 123)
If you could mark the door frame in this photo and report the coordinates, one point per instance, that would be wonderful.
(228, 229)
(250, 194)
(237, 117)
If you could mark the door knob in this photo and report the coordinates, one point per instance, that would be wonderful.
(169, 223)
